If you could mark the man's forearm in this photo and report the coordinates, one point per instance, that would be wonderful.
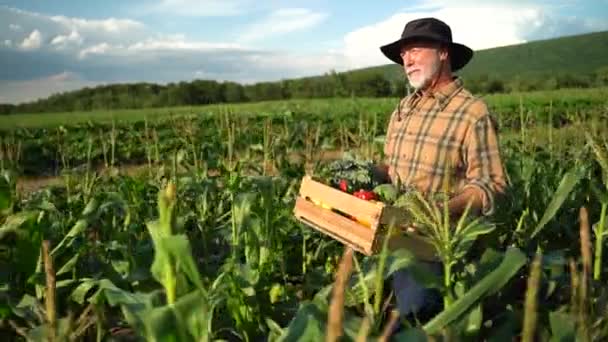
(458, 203)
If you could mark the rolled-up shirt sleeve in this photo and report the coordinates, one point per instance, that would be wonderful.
(484, 169)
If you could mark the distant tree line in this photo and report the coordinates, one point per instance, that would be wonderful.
(557, 80)
(360, 83)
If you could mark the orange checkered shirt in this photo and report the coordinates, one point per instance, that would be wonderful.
(451, 131)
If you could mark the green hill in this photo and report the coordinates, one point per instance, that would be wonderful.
(575, 56)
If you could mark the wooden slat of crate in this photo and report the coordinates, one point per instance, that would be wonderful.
(335, 225)
(342, 201)
(364, 239)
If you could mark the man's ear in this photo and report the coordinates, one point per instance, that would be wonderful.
(443, 53)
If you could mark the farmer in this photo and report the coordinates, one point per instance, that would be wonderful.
(439, 130)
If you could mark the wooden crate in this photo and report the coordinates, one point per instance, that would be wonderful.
(327, 209)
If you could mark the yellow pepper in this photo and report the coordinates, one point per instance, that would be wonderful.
(321, 204)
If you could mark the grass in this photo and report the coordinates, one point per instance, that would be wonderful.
(49, 120)
(504, 104)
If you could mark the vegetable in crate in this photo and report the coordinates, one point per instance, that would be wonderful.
(386, 193)
(350, 175)
(321, 204)
(345, 186)
(365, 195)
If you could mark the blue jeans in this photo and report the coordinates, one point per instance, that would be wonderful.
(412, 296)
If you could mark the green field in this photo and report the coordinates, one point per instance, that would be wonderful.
(202, 244)
(564, 101)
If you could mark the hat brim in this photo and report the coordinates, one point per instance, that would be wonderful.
(460, 55)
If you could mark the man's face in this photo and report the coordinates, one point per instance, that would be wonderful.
(421, 62)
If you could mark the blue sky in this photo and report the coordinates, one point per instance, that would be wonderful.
(53, 46)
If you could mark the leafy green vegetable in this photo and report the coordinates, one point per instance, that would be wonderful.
(387, 192)
(359, 174)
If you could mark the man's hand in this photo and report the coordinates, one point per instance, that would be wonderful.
(381, 172)
(458, 203)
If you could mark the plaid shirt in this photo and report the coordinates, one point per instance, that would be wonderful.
(451, 130)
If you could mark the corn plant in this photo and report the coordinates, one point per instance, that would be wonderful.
(451, 241)
(601, 191)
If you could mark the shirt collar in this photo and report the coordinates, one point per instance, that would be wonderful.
(443, 94)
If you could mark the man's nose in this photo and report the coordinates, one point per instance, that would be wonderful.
(407, 59)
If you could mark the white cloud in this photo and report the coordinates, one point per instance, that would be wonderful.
(199, 8)
(33, 41)
(62, 41)
(282, 21)
(65, 76)
(8, 42)
(73, 30)
(98, 49)
(178, 43)
(294, 64)
(110, 25)
(14, 27)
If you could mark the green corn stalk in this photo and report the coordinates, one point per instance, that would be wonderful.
(531, 305)
(104, 148)
(601, 157)
(304, 254)
(50, 292)
(2, 153)
(599, 239)
(267, 137)
(379, 278)
(522, 124)
(230, 134)
(146, 142)
(167, 221)
(164, 228)
(268, 234)
(551, 127)
(156, 146)
(451, 240)
(88, 177)
(113, 143)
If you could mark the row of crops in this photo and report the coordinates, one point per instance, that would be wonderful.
(42, 150)
(202, 245)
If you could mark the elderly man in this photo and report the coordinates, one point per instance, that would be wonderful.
(440, 128)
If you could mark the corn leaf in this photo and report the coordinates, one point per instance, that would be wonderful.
(307, 325)
(5, 196)
(560, 195)
(176, 251)
(562, 326)
(514, 259)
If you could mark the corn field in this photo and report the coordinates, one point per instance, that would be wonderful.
(201, 243)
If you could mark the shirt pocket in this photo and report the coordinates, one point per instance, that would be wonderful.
(449, 156)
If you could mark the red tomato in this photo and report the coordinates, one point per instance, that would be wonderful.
(344, 185)
(365, 195)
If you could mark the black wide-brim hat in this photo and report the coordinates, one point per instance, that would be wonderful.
(429, 29)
